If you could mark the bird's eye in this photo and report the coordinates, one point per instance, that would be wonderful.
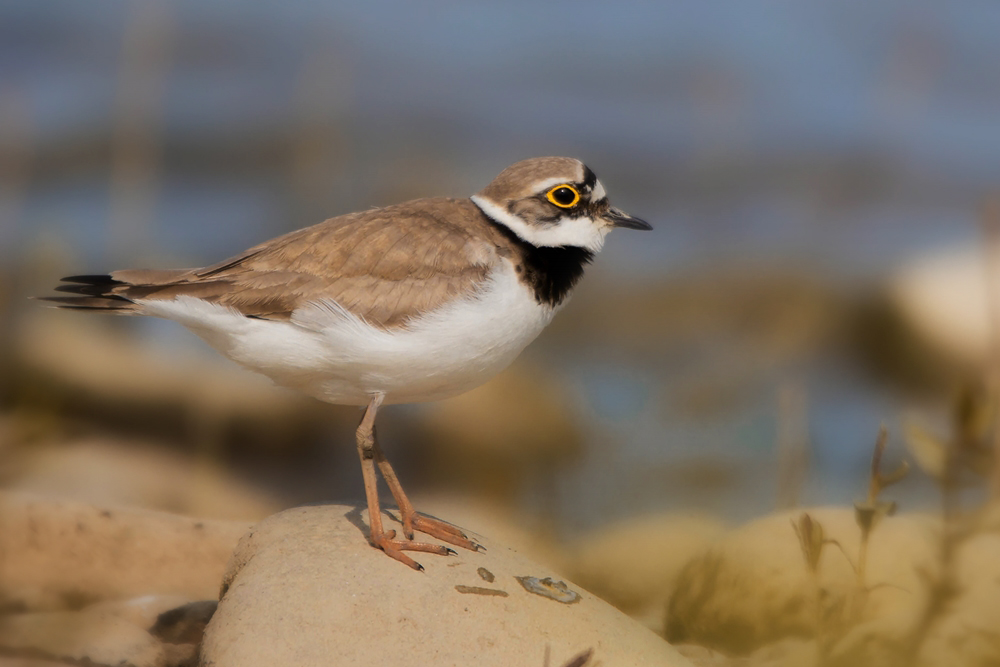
(563, 196)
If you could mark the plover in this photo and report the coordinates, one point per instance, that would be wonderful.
(408, 303)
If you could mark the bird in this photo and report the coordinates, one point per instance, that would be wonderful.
(407, 303)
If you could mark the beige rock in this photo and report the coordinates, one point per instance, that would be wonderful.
(103, 471)
(89, 366)
(62, 555)
(752, 587)
(305, 588)
(785, 653)
(944, 297)
(110, 633)
(970, 626)
(12, 661)
(524, 534)
(703, 657)
(634, 564)
(882, 641)
(791, 652)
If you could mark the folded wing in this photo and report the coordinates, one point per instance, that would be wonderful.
(386, 266)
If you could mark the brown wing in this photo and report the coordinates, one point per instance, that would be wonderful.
(386, 265)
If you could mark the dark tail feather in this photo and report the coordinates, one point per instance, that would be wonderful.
(88, 290)
(92, 279)
(109, 303)
(95, 293)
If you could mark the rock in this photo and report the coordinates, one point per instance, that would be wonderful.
(785, 653)
(703, 657)
(115, 633)
(524, 534)
(184, 624)
(752, 587)
(634, 564)
(96, 371)
(944, 298)
(62, 555)
(968, 630)
(105, 471)
(305, 588)
(791, 652)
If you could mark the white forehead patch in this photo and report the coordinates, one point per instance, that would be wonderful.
(542, 186)
(597, 194)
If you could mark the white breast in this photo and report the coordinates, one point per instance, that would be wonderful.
(337, 357)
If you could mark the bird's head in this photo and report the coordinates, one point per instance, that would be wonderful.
(553, 202)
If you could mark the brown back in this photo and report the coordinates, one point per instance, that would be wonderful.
(386, 265)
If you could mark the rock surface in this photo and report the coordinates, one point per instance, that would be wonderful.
(305, 588)
(108, 633)
(97, 372)
(12, 661)
(945, 297)
(108, 471)
(58, 555)
(633, 564)
(527, 534)
(752, 588)
(970, 623)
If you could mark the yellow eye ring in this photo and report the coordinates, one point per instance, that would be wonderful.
(563, 196)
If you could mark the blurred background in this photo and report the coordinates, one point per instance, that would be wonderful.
(819, 177)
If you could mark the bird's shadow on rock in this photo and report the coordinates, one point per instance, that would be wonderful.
(353, 516)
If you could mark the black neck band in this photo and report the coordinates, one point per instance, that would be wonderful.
(550, 272)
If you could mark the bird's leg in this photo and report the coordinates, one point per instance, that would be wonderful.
(413, 520)
(384, 540)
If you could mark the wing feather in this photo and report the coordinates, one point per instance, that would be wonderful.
(386, 266)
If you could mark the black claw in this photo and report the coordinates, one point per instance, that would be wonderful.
(420, 567)
(479, 547)
(451, 552)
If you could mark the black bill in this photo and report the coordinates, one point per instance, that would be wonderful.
(622, 219)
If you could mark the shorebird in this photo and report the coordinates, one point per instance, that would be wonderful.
(407, 303)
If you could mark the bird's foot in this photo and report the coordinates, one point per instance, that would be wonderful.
(394, 548)
(444, 531)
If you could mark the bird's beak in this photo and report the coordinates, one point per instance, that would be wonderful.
(620, 218)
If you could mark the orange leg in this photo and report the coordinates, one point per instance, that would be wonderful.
(413, 520)
(385, 540)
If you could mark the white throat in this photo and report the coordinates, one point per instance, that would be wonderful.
(582, 232)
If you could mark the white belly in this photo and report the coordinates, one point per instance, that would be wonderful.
(339, 358)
